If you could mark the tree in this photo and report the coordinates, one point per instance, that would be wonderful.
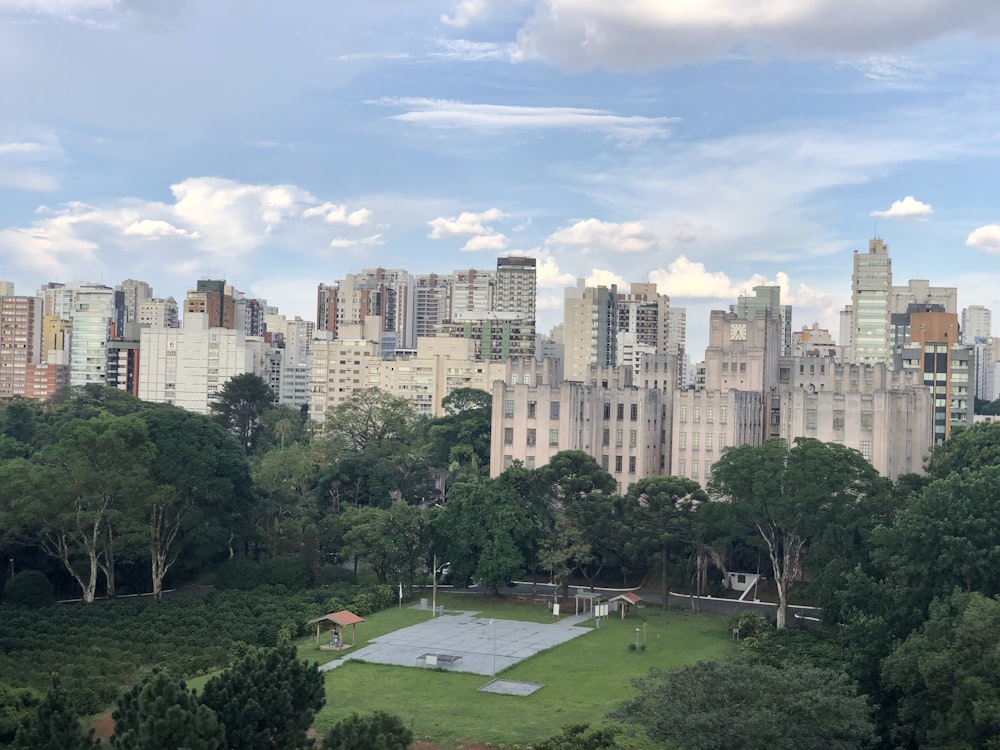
(662, 505)
(239, 406)
(580, 737)
(372, 418)
(160, 713)
(788, 495)
(52, 725)
(968, 449)
(203, 486)
(946, 677)
(16, 706)
(75, 501)
(460, 440)
(266, 700)
(375, 731)
(392, 542)
(736, 706)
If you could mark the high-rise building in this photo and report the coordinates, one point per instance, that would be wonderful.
(767, 298)
(590, 333)
(516, 286)
(934, 350)
(977, 332)
(97, 318)
(214, 299)
(871, 286)
(134, 294)
(20, 342)
(920, 292)
(159, 313)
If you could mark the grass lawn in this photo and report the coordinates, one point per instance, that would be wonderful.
(583, 679)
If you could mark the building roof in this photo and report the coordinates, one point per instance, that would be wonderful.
(628, 597)
(343, 617)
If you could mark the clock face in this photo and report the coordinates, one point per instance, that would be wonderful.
(738, 331)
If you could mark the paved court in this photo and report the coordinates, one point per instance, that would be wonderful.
(485, 646)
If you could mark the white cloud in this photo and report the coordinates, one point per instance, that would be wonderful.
(603, 277)
(894, 71)
(465, 12)
(486, 242)
(547, 273)
(986, 238)
(334, 213)
(490, 118)
(908, 208)
(593, 235)
(469, 51)
(645, 34)
(155, 229)
(25, 147)
(374, 240)
(466, 223)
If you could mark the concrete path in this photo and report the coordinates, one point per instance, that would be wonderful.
(486, 646)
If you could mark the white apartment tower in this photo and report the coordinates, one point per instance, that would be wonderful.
(976, 333)
(590, 333)
(871, 287)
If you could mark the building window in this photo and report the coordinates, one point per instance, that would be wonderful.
(621, 411)
(553, 410)
(531, 436)
(606, 437)
(508, 435)
(553, 437)
(694, 469)
(710, 414)
(604, 462)
(684, 414)
(607, 411)
(633, 438)
(695, 441)
(838, 419)
(532, 406)
(722, 441)
(508, 408)
(867, 420)
(618, 438)
(682, 441)
(682, 468)
(810, 419)
(507, 461)
(634, 412)
(618, 464)
(866, 449)
(708, 441)
(722, 413)
(529, 462)
(697, 414)
(631, 464)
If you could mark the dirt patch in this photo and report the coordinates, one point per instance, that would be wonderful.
(103, 726)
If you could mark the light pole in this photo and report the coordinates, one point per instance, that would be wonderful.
(493, 623)
(637, 639)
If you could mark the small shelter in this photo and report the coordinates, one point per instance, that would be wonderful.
(338, 622)
(624, 602)
(585, 601)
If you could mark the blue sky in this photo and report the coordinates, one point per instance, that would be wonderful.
(706, 145)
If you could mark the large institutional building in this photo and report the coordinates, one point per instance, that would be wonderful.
(613, 379)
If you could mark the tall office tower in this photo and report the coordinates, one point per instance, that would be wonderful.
(20, 342)
(871, 286)
(432, 297)
(977, 333)
(471, 291)
(326, 308)
(516, 286)
(97, 318)
(920, 292)
(934, 350)
(767, 298)
(212, 298)
(159, 313)
(590, 329)
(248, 314)
(135, 293)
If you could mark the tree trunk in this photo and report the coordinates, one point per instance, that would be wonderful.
(663, 574)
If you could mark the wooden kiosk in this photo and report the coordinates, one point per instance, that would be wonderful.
(338, 623)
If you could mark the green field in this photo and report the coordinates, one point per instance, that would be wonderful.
(583, 679)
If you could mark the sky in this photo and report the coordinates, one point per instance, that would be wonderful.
(705, 145)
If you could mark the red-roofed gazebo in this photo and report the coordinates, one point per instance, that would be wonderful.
(338, 621)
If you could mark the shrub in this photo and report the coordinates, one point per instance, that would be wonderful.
(749, 624)
(29, 588)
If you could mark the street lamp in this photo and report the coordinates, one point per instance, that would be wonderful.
(637, 639)
(493, 622)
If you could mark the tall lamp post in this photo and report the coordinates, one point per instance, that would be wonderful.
(493, 622)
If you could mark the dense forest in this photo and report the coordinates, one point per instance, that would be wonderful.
(102, 495)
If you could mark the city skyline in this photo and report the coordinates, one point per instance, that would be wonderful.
(708, 150)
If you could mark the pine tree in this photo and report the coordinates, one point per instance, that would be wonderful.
(53, 725)
(375, 731)
(266, 700)
(161, 714)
